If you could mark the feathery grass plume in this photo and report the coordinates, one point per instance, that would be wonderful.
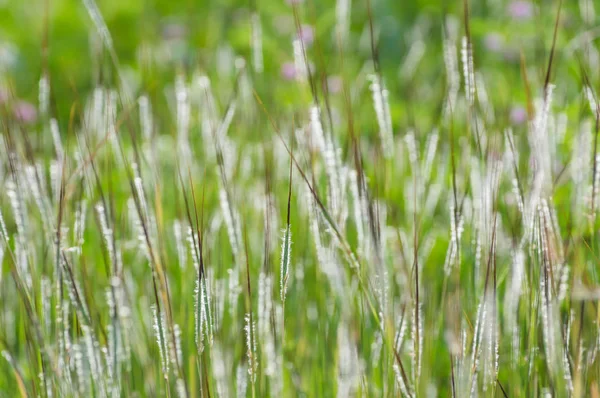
(218, 293)
(58, 147)
(513, 159)
(94, 358)
(95, 112)
(400, 380)
(241, 381)
(181, 252)
(73, 290)
(174, 344)
(286, 249)
(161, 340)
(595, 201)
(452, 73)
(466, 54)
(589, 94)
(551, 333)
(3, 231)
(265, 305)
(45, 296)
(43, 382)
(489, 343)
(17, 203)
(347, 363)
(56, 168)
(430, 154)
(382, 110)
(286, 243)
(220, 358)
(250, 330)
(63, 326)
(114, 338)
(417, 338)
(415, 168)
(434, 194)
(538, 138)
(257, 46)
(145, 222)
(315, 230)
(230, 217)
(198, 307)
(357, 210)
(561, 268)
(484, 337)
(205, 302)
(230, 214)
(477, 340)
(485, 181)
(333, 169)
(44, 94)
(511, 301)
(107, 233)
(180, 388)
(110, 117)
(534, 314)
(267, 339)
(208, 110)
(316, 128)
(456, 230)
(203, 315)
(271, 223)
(146, 122)
(299, 64)
(581, 158)
(38, 192)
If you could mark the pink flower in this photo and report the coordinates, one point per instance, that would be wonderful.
(25, 112)
(520, 10)
(518, 115)
(288, 71)
(306, 34)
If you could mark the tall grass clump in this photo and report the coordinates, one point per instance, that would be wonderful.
(300, 198)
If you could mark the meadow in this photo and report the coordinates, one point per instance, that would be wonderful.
(299, 198)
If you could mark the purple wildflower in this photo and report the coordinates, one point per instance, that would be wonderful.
(518, 115)
(288, 71)
(520, 10)
(25, 112)
(306, 34)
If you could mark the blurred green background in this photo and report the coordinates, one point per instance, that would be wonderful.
(156, 39)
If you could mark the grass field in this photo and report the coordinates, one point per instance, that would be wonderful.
(299, 198)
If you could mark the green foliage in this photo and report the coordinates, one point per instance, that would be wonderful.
(142, 254)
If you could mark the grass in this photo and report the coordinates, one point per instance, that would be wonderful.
(314, 199)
